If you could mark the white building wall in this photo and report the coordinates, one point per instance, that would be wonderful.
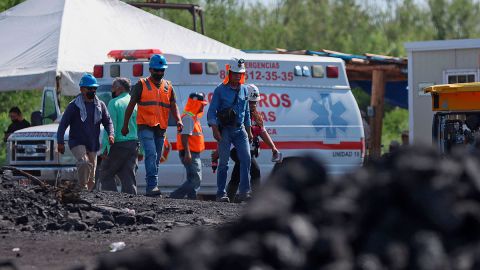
(429, 63)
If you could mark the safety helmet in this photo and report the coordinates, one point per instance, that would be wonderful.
(237, 65)
(158, 61)
(198, 96)
(88, 80)
(253, 92)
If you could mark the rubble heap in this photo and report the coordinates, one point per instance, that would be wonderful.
(412, 210)
(35, 208)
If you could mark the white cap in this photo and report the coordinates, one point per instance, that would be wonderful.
(237, 65)
(253, 92)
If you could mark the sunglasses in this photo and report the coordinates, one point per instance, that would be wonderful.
(158, 69)
(91, 88)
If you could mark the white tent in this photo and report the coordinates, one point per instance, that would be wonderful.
(42, 39)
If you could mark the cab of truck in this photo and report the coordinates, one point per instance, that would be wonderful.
(456, 120)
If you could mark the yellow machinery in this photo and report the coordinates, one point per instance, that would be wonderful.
(457, 114)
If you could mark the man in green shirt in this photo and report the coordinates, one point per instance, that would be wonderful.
(122, 155)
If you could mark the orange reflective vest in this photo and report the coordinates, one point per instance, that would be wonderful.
(195, 141)
(154, 105)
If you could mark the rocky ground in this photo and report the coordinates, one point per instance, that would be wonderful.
(40, 229)
(414, 209)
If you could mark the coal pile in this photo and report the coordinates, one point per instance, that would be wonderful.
(33, 208)
(411, 210)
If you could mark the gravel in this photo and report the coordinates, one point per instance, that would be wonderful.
(55, 235)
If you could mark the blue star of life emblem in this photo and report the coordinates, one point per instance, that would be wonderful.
(329, 116)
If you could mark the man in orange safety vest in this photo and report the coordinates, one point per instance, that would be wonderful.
(155, 98)
(190, 143)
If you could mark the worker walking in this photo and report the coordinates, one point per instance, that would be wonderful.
(190, 143)
(258, 131)
(229, 117)
(120, 159)
(155, 97)
(83, 115)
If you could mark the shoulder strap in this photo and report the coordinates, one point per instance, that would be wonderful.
(235, 101)
(147, 83)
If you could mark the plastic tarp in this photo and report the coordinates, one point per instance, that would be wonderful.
(42, 39)
(396, 93)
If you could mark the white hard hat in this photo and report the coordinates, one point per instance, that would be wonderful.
(237, 65)
(253, 92)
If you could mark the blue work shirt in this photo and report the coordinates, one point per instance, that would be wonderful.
(223, 98)
(84, 133)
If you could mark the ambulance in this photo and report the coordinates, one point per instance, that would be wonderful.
(306, 103)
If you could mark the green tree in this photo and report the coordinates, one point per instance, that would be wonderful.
(6, 4)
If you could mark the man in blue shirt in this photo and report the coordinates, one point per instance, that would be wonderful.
(229, 117)
(84, 115)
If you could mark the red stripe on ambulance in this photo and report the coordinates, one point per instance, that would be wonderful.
(297, 145)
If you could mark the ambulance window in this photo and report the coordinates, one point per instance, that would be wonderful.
(115, 71)
(211, 68)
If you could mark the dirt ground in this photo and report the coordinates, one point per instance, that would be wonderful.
(58, 236)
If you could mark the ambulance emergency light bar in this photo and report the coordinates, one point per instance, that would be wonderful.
(119, 55)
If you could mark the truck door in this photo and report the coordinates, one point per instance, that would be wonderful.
(50, 108)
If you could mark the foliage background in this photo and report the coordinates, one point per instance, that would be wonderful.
(351, 26)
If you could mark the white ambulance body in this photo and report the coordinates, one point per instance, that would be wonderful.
(306, 102)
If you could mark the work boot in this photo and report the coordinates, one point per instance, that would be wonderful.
(153, 192)
(222, 199)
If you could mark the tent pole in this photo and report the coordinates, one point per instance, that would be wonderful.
(194, 16)
(202, 27)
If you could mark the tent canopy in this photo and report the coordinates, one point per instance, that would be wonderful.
(43, 39)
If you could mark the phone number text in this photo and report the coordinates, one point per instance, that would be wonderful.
(265, 75)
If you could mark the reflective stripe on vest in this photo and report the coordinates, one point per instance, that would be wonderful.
(154, 104)
(195, 141)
